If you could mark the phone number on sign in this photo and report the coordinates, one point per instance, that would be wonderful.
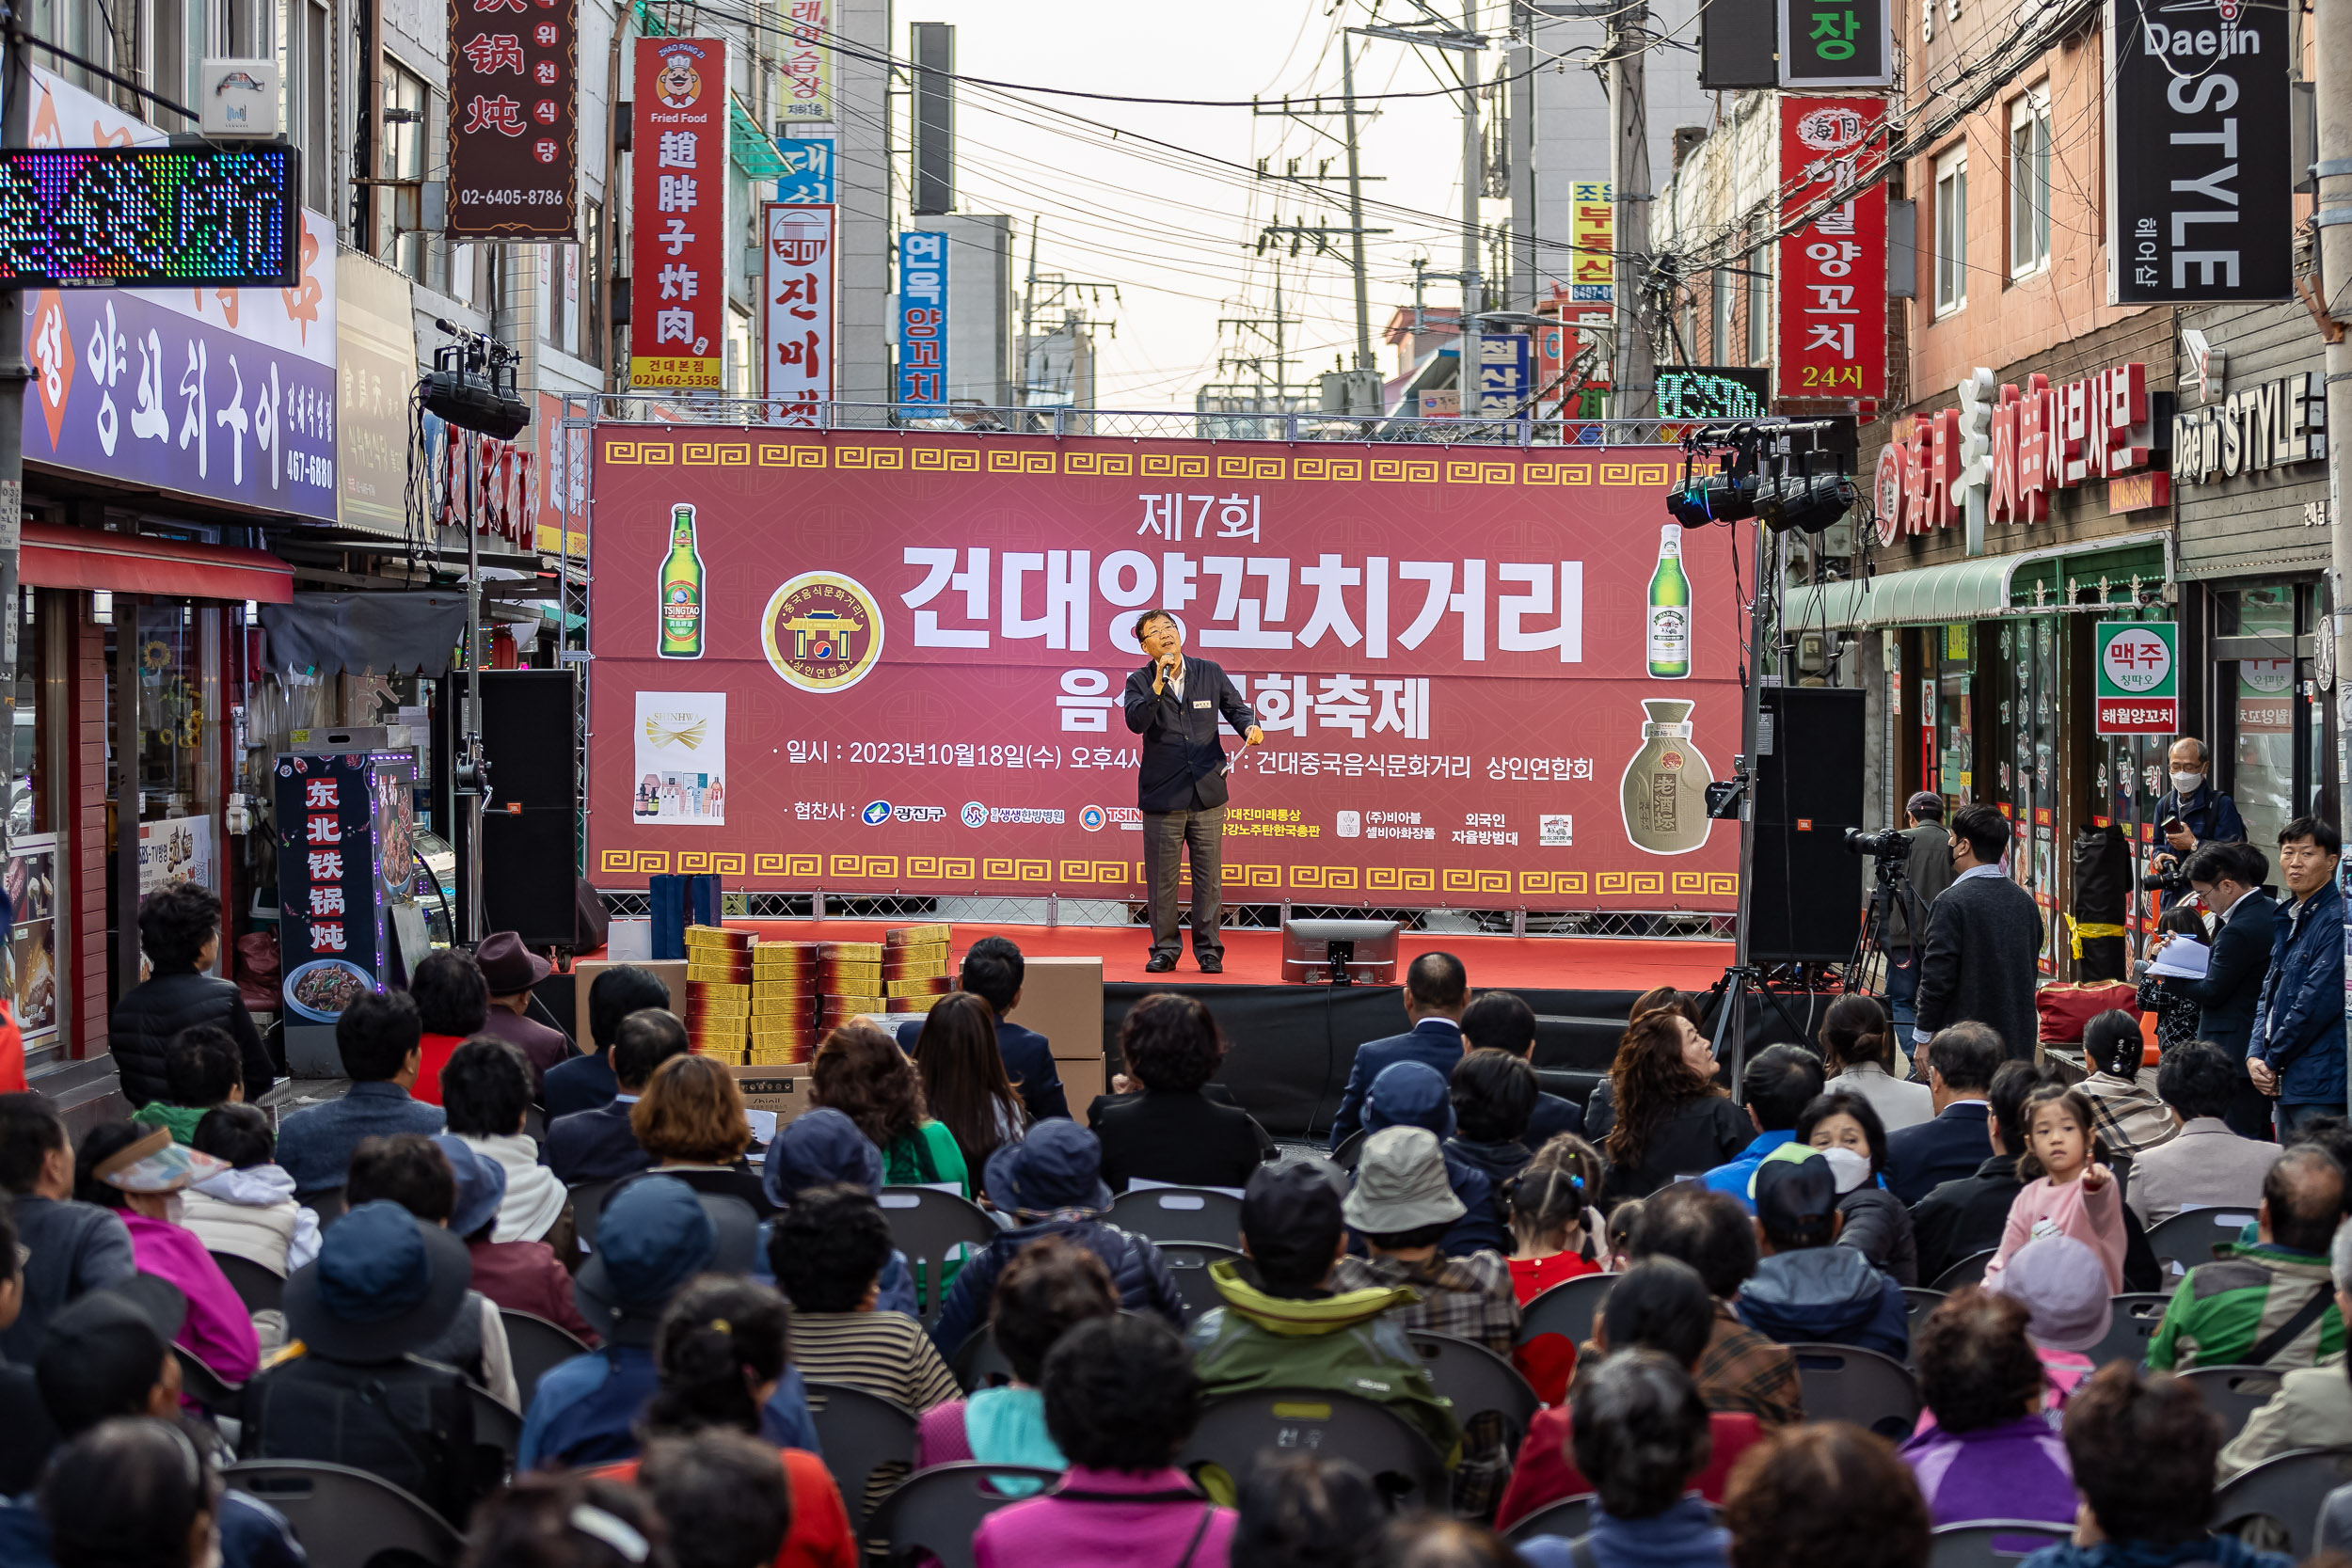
(544, 196)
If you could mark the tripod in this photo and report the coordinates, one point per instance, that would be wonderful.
(1893, 881)
(1727, 998)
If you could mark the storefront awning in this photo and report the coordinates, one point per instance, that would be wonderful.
(92, 559)
(1958, 590)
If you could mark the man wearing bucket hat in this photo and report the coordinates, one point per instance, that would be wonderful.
(510, 969)
(1051, 1183)
(139, 1172)
(352, 1390)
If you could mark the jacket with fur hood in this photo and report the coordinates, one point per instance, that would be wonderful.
(252, 1214)
(1826, 1295)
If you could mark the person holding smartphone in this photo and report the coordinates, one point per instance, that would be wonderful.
(2193, 813)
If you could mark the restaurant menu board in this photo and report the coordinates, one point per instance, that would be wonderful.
(344, 825)
(31, 883)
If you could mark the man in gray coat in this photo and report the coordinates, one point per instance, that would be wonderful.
(1927, 872)
(1983, 937)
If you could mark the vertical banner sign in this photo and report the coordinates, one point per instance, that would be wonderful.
(679, 184)
(799, 261)
(345, 822)
(1833, 270)
(2140, 677)
(1837, 43)
(514, 119)
(2200, 184)
(923, 317)
(808, 176)
(1501, 389)
(1592, 228)
(807, 67)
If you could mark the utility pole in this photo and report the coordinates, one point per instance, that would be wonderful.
(1473, 181)
(1356, 209)
(1322, 233)
(2333, 111)
(1634, 374)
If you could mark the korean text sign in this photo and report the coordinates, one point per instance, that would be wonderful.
(799, 259)
(808, 172)
(2139, 676)
(1447, 650)
(678, 179)
(1832, 272)
(514, 119)
(923, 317)
(1837, 43)
(807, 68)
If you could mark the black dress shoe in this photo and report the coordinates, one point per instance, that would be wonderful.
(1161, 963)
(1212, 966)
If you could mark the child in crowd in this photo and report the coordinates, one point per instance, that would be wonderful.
(1624, 1223)
(2068, 1190)
(1548, 1227)
(2176, 1012)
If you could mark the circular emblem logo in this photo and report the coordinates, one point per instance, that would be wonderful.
(678, 84)
(2137, 661)
(876, 814)
(975, 814)
(822, 631)
(1890, 494)
(1670, 759)
(1090, 818)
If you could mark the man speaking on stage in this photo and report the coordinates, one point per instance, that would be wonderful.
(1174, 703)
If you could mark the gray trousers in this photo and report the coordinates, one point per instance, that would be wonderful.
(1167, 836)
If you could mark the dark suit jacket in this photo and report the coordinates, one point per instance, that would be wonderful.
(1433, 1041)
(1028, 1062)
(594, 1145)
(2225, 997)
(1977, 964)
(1552, 1116)
(1180, 765)
(1188, 1139)
(1943, 1149)
(1962, 1218)
(583, 1083)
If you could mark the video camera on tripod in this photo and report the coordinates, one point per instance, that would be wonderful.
(1892, 846)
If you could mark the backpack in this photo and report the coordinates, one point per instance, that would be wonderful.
(409, 1422)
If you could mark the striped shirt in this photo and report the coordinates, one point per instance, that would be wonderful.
(885, 1354)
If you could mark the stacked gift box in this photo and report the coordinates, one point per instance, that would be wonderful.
(849, 982)
(784, 1002)
(719, 971)
(915, 966)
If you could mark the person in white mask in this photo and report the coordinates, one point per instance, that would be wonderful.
(1844, 1129)
(2193, 813)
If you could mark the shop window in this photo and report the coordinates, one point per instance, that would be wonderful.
(2257, 698)
(36, 790)
(1721, 285)
(406, 100)
(1760, 306)
(2029, 182)
(1951, 230)
(165, 697)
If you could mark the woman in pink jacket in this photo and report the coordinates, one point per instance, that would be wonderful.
(2068, 1192)
(139, 1172)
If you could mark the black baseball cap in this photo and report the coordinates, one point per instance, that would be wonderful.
(1292, 1199)
(1795, 1198)
(105, 1351)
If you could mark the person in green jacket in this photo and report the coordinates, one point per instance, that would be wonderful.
(1283, 1326)
(2269, 1302)
(861, 1073)
(202, 1068)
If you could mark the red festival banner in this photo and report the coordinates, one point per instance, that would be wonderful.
(876, 663)
(678, 181)
(1832, 273)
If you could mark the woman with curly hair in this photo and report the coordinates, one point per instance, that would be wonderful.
(1671, 1117)
(1600, 1111)
(963, 1077)
(861, 1073)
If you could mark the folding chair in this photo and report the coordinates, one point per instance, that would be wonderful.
(2188, 1238)
(929, 1225)
(978, 1364)
(1846, 1383)
(1567, 1519)
(1568, 1308)
(1922, 1301)
(1968, 1270)
(588, 1207)
(327, 1205)
(2233, 1393)
(2136, 1315)
(1188, 1266)
(1180, 1214)
(935, 1512)
(342, 1517)
(206, 1387)
(534, 1345)
(1234, 1429)
(2288, 1488)
(260, 1290)
(1992, 1542)
(861, 1433)
(1477, 1380)
(1350, 1150)
(495, 1426)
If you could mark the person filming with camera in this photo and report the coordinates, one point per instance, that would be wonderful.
(2228, 881)
(2193, 813)
(1983, 938)
(1927, 872)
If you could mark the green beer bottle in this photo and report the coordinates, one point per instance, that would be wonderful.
(682, 590)
(1670, 610)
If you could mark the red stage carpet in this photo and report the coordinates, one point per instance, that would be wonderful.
(1255, 958)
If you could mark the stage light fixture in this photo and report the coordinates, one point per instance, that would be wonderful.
(1714, 498)
(472, 386)
(1808, 501)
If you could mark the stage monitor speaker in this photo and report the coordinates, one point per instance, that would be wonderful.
(1805, 893)
(529, 865)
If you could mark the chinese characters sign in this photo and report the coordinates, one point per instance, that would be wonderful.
(148, 217)
(679, 180)
(808, 177)
(923, 317)
(514, 119)
(799, 291)
(2140, 677)
(1837, 43)
(807, 69)
(1832, 272)
(345, 825)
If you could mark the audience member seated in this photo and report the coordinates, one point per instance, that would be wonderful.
(1170, 1131)
(1435, 1541)
(2133, 1118)
(1437, 991)
(1548, 1204)
(1779, 1083)
(828, 1251)
(248, 1210)
(1617, 1254)
(2313, 1408)
(67, 1248)
(1493, 1093)
(992, 971)
(568, 1521)
(963, 1079)
(2269, 1302)
(1858, 1055)
(2068, 1188)
(26, 1434)
(519, 1276)
(355, 1391)
(1740, 1369)
(2207, 1166)
(1843, 1128)
(1414, 1094)
(691, 1122)
(601, 1144)
(139, 1172)
(861, 1073)
(2063, 1286)
(723, 1500)
(1049, 1287)
(1301, 1511)
(1288, 1322)
(486, 1093)
(1051, 1184)
(509, 971)
(2143, 1454)
(442, 1182)
(586, 1081)
(821, 1148)
(1806, 1290)
(1600, 1110)
(377, 1037)
(1502, 1020)
(452, 1003)
(180, 933)
(1949, 1145)
(651, 1240)
(1989, 1454)
(1964, 1216)
(1811, 1496)
(723, 1366)
(202, 1068)
(1640, 1435)
(1671, 1120)
(1121, 1399)
(130, 1493)
(1660, 1304)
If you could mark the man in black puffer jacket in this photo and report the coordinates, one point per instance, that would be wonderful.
(179, 929)
(1051, 1183)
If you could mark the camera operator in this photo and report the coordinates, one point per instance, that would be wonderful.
(2226, 879)
(1983, 938)
(1927, 871)
(2192, 812)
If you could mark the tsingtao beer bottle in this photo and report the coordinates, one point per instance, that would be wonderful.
(682, 590)
(1670, 610)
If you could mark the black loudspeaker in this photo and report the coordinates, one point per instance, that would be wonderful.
(528, 871)
(1805, 893)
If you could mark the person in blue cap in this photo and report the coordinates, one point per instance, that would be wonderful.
(1414, 1094)
(652, 1238)
(823, 1149)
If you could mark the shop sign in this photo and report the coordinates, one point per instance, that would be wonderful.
(2140, 677)
(679, 184)
(923, 317)
(514, 119)
(1592, 230)
(1999, 455)
(345, 823)
(2254, 430)
(797, 284)
(1837, 43)
(1833, 270)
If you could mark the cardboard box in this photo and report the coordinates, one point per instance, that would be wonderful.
(1062, 999)
(670, 971)
(783, 1089)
